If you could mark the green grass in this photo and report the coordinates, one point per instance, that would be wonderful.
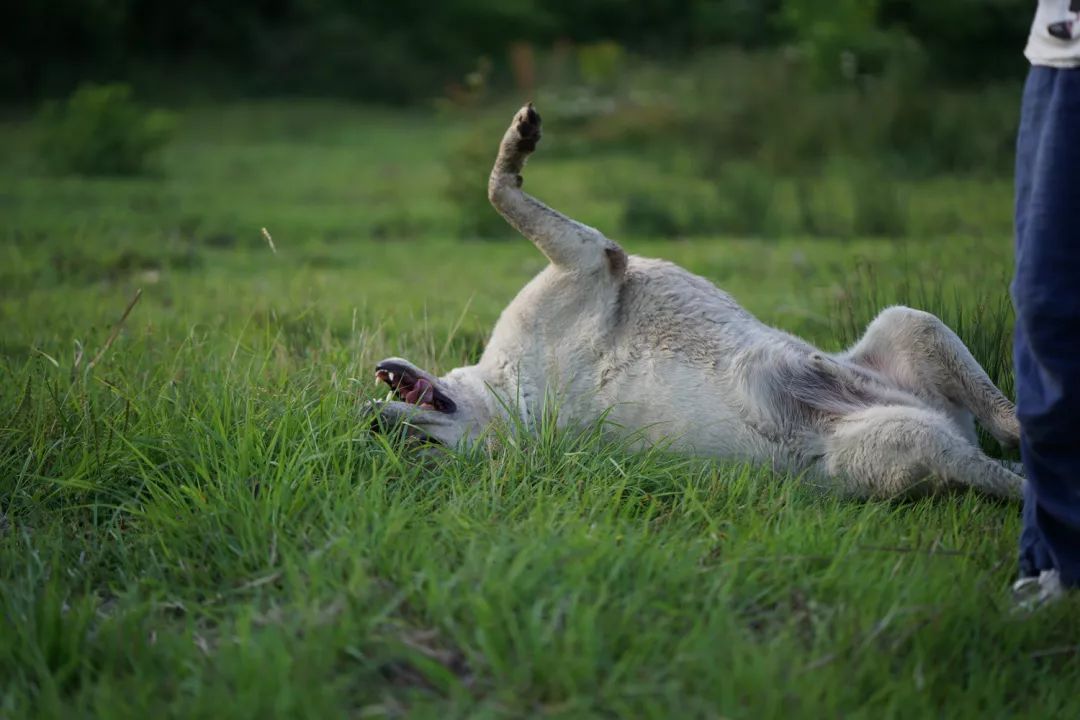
(200, 525)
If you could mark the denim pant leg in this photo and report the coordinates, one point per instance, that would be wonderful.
(1046, 295)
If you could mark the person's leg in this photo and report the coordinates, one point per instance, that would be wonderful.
(1034, 555)
(1046, 294)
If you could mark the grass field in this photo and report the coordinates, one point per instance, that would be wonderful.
(195, 524)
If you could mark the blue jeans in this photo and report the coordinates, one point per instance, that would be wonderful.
(1046, 295)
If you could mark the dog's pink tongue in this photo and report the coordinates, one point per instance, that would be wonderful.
(422, 392)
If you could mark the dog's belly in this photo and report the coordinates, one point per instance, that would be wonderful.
(679, 407)
(775, 405)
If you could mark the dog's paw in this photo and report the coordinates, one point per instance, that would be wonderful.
(527, 124)
(1007, 431)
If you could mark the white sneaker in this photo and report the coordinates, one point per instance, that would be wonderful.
(1032, 593)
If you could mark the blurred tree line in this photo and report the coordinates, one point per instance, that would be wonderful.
(405, 50)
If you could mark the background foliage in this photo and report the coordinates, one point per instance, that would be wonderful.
(101, 130)
(408, 50)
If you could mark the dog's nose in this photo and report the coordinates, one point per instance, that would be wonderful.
(371, 411)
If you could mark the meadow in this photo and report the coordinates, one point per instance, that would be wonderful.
(196, 522)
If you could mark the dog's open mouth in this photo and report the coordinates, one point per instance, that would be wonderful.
(411, 388)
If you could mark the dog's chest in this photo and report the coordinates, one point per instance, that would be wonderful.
(549, 343)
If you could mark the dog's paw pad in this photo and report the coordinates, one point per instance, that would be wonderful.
(527, 123)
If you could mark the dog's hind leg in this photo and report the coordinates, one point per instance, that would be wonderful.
(567, 243)
(888, 450)
(920, 353)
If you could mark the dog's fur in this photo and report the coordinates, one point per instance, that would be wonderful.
(669, 356)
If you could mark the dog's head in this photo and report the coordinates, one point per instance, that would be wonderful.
(450, 410)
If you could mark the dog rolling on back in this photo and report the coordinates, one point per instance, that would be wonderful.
(671, 358)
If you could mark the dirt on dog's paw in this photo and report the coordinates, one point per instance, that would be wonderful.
(527, 123)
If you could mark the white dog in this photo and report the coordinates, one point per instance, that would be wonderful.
(673, 359)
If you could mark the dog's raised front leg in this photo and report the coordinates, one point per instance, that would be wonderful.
(567, 243)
